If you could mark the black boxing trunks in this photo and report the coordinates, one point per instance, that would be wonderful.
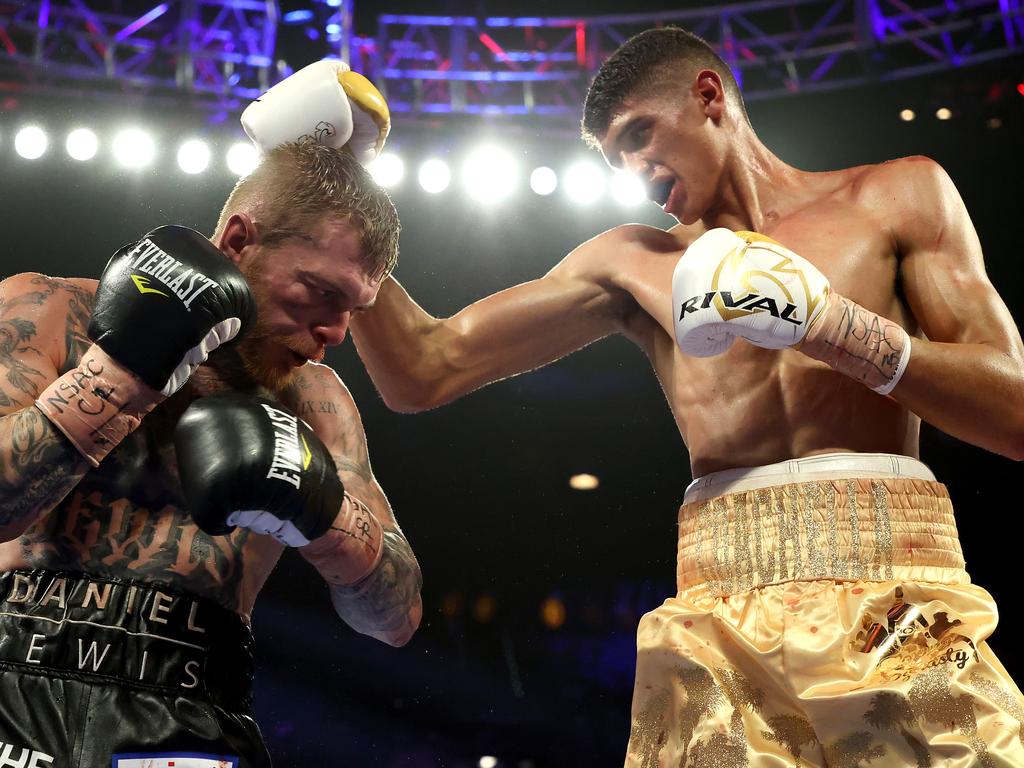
(108, 673)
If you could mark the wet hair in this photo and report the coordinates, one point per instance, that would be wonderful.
(300, 184)
(652, 61)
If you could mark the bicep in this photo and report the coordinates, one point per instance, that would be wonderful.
(942, 270)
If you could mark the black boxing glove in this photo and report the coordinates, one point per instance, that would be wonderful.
(167, 301)
(246, 461)
(162, 305)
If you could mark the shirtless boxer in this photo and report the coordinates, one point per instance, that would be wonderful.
(823, 614)
(136, 538)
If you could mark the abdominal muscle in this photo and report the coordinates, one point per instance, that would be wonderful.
(750, 407)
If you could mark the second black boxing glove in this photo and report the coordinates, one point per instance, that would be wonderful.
(247, 461)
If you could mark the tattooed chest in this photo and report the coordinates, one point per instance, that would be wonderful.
(126, 519)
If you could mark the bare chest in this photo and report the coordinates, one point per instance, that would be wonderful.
(801, 406)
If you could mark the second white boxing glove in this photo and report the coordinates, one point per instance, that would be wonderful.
(325, 102)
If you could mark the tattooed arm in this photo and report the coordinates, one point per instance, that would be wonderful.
(42, 324)
(386, 603)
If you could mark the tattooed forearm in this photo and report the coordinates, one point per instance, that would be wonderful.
(38, 468)
(385, 604)
(857, 342)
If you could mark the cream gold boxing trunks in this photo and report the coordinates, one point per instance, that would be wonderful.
(823, 618)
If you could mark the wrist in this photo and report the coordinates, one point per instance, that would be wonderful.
(97, 404)
(858, 343)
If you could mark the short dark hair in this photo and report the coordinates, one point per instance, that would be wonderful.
(651, 60)
(299, 183)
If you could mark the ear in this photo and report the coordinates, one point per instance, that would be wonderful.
(710, 92)
(238, 234)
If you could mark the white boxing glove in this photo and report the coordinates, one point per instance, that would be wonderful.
(325, 102)
(742, 284)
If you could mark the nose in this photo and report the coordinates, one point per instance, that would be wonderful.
(633, 163)
(331, 333)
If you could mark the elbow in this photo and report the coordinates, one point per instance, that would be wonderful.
(1016, 448)
(1012, 442)
(401, 636)
(408, 402)
(416, 399)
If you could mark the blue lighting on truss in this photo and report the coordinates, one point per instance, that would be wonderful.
(430, 21)
(298, 17)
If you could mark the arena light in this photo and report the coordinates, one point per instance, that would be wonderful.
(194, 156)
(584, 482)
(242, 158)
(543, 180)
(489, 174)
(31, 142)
(484, 608)
(81, 144)
(435, 176)
(906, 115)
(552, 612)
(134, 148)
(488, 761)
(585, 182)
(943, 113)
(388, 169)
(627, 189)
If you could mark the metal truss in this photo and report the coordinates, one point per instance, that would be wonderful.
(218, 52)
(221, 53)
(439, 64)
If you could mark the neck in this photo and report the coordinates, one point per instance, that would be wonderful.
(756, 186)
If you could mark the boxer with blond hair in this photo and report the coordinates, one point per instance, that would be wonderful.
(167, 431)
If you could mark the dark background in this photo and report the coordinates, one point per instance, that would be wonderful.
(480, 486)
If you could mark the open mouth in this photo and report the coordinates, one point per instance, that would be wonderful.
(297, 358)
(660, 191)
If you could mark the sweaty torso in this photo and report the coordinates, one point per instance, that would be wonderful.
(751, 406)
(125, 519)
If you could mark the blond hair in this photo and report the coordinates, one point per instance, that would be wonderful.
(299, 184)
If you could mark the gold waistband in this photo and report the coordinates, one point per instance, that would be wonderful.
(843, 529)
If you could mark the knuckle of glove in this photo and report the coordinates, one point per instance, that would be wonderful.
(308, 104)
(742, 284)
(165, 295)
(325, 102)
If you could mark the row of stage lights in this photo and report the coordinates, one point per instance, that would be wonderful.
(133, 148)
(488, 174)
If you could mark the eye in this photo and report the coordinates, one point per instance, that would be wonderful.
(640, 135)
(319, 292)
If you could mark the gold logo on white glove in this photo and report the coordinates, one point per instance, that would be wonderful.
(731, 271)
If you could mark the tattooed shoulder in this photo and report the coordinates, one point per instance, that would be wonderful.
(50, 312)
